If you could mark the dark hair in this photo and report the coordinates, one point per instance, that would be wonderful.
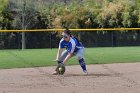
(67, 31)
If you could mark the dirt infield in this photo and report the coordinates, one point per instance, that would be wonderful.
(108, 78)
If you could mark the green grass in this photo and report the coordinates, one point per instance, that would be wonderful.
(44, 57)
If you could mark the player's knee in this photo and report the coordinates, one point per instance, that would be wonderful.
(79, 57)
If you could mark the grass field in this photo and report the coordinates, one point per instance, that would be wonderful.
(44, 57)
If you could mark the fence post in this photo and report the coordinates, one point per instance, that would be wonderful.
(23, 26)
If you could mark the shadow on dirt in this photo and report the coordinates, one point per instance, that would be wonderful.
(90, 74)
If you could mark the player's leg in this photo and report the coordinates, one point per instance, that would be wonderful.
(80, 57)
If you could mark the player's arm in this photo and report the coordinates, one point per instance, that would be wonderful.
(60, 49)
(59, 52)
(67, 57)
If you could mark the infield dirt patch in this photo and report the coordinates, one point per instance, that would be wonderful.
(104, 78)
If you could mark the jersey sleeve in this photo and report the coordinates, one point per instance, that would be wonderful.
(61, 44)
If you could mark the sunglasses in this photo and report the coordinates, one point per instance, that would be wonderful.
(65, 36)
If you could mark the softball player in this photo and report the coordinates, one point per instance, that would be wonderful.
(73, 48)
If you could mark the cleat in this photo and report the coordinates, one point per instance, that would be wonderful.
(55, 73)
(85, 72)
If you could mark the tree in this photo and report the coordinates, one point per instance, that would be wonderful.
(3, 4)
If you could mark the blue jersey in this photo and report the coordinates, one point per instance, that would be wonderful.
(72, 45)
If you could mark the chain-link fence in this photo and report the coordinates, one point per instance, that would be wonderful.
(13, 40)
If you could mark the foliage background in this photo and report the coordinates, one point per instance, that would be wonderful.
(44, 14)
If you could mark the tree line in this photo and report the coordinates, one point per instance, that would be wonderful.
(44, 14)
